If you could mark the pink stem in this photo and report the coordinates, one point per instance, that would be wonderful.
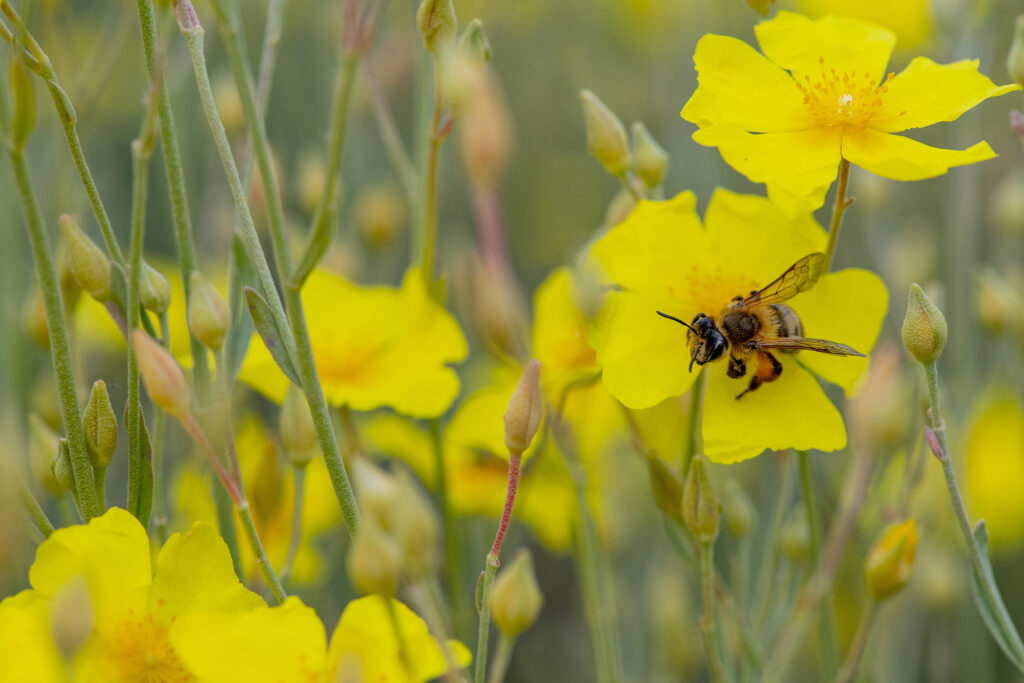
(514, 461)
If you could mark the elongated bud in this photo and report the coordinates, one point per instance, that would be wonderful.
(890, 562)
(415, 527)
(208, 313)
(666, 487)
(43, 443)
(60, 466)
(485, 131)
(525, 409)
(298, 433)
(437, 23)
(374, 561)
(1015, 57)
(24, 103)
(165, 382)
(72, 617)
(100, 423)
(515, 599)
(186, 16)
(474, 41)
(762, 7)
(88, 263)
(649, 160)
(740, 513)
(70, 291)
(701, 510)
(924, 327)
(154, 290)
(606, 136)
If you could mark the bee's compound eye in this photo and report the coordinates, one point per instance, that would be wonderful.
(715, 348)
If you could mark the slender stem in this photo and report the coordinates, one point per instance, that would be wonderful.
(769, 550)
(707, 620)
(32, 507)
(160, 520)
(502, 657)
(829, 638)
(60, 348)
(99, 475)
(261, 555)
(860, 641)
(400, 161)
(452, 550)
(838, 209)
(693, 419)
(226, 525)
(427, 229)
(299, 480)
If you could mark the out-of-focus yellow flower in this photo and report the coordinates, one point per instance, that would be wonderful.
(134, 607)
(890, 562)
(819, 94)
(288, 643)
(995, 467)
(269, 486)
(374, 346)
(910, 20)
(665, 260)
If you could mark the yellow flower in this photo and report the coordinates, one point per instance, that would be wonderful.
(819, 93)
(134, 607)
(910, 20)
(374, 346)
(288, 643)
(665, 260)
(995, 467)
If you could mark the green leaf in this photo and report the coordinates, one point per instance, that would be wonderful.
(993, 611)
(240, 332)
(119, 286)
(667, 489)
(272, 338)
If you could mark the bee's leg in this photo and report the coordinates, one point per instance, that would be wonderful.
(737, 368)
(768, 370)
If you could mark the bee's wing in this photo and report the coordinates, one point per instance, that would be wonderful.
(799, 277)
(805, 344)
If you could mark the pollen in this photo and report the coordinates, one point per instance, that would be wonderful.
(849, 98)
(140, 651)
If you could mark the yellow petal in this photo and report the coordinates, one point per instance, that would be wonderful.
(644, 357)
(194, 572)
(805, 46)
(846, 307)
(925, 93)
(798, 167)
(397, 437)
(560, 334)
(27, 651)
(900, 158)
(364, 644)
(995, 467)
(791, 412)
(261, 645)
(740, 87)
(909, 19)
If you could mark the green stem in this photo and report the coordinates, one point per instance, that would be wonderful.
(427, 228)
(400, 161)
(502, 657)
(99, 475)
(261, 555)
(860, 641)
(60, 348)
(157, 445)
(707, 620)
(426, 595)
(838, 209)
(829, 637)
(769, 551)
(484, 627)
(299, 480)
(226, 525)
(693, 419)
(32, 507)
(452, 550)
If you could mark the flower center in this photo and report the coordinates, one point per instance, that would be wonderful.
(840, 99)
(140, 651)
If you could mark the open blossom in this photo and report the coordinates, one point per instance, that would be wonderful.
(663, 259)
(819, 93)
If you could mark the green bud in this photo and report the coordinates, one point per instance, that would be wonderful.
(24, 103)
(740, 513)
(515, 599)
(606, 136)
(701, 510)
(100, 423)
(163, 377)
(649, 160)
(474, 41)
(525, 409)
(436, 22)
(924, 327)
(154, 290)
(69, 289)
(374, 561)
(415, 526)
(88, 263)
(60, 466)
(666, 487)
(298, 433)
(1015, 57)
(208, 315)
(762, 7)
(890, 562)
(796, 536)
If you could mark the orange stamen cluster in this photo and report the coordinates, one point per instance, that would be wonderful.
(140, 651)
(842, 99)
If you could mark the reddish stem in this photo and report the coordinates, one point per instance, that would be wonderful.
(514, 461)
(191, 425)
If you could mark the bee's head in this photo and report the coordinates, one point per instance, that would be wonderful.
(706, 342)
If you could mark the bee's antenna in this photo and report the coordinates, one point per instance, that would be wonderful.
(672, 317)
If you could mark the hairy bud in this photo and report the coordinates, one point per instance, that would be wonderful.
(525, 409)
(100, 423)
(924, 327)
(87, 262)
(701, 510)
(164, 379)
(515, 599)
(154, 290)
(208, 313)
(606, 136)
(436, 22)
(374, 561)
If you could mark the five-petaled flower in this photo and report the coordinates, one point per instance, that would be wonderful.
(819, 94)
(664, 260)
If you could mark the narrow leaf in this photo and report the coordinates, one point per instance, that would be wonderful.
(263, 321)
(242, 275)
(993, 612)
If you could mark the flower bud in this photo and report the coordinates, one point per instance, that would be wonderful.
(762, 7)
(208, 313)
(485, 131)
(415, 526)
(890, 561)
(69, 289)
(436, 22)
(33, 318)
(24, 103)
(298, 433)
(154, 290)
(474, 41)
(165, 382)
(88, 263)
(924, 327)
(60, 466)
(795, 538)
(379, 216)
(100, 424)
(701, 510)
(619, 207)
(43, 443)
(374, 561)
(649, 160)
(1015, 57)
(1017, 123)
(606, 136)
(525, 409)
(740, 513)
(515, 599)
(378, 492)
(72, 617)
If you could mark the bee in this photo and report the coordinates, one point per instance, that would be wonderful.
(751, 327)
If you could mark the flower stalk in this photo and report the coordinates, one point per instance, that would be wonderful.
(838, 209)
